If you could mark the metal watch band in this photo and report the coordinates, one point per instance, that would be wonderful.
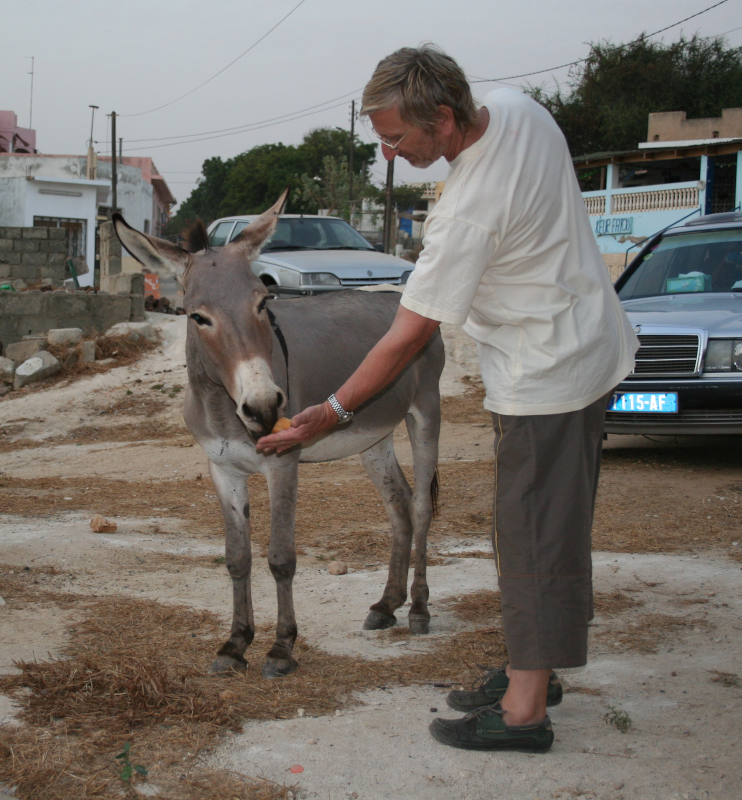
(343, 415)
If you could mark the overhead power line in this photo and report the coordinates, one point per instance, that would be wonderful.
(310, 110)
(724, 33)
(244, 126)
(583, 60)
(255, 127)
(223, 69)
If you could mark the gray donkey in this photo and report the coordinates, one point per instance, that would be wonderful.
(250, 359)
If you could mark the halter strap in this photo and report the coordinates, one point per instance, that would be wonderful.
(282, 341)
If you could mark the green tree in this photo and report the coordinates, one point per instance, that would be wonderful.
(204, 199)
(322, 142)
(330, 189)
(406, 196)
(250, 182)
(612, 93)
(258, 177)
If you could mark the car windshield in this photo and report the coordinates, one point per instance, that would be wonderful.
(311, 233)
(698, 262)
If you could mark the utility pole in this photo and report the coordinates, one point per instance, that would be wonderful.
(113, 163)
(91, 168)
(388, 207)
(350, 157)
(30, 113)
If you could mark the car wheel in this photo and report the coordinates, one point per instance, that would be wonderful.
(271, 286)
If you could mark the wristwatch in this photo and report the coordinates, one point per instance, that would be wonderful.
(343, 415)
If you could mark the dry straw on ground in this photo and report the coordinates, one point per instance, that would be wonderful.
(479, 608)
(124, 352)
(351, 523)
(608, 604)
(467, 407)
(135, 404)
(135, 671)
(729, 679)
(646, 633)
(121, 348)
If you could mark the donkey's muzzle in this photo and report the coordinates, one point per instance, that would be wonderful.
(259, 401)
(259, 422)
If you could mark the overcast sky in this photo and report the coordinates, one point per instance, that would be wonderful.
(133, 56)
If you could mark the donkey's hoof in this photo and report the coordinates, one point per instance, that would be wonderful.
(418, 623)
(225, 664)
(279, 667)
(376, 621)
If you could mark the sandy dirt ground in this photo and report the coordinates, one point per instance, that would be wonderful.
(665, 644)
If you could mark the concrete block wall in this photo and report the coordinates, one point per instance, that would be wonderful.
(26, 313)
(110, 251)
(112, 276)
(31, 254)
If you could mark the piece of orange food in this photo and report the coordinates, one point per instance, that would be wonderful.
(282, 424)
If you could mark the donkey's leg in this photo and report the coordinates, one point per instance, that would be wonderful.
(383, 469)
(282, 476)
(423, 427)
(231, 489)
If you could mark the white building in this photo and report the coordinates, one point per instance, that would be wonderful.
(44, 190)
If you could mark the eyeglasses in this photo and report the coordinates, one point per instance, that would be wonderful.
(386, 141)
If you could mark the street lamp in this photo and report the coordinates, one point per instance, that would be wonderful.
(92, 120)
(91, 170)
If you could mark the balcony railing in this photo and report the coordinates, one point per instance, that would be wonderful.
(635, 201)
(595, 205)
(655, 200)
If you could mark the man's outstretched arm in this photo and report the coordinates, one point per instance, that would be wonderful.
(408, 333)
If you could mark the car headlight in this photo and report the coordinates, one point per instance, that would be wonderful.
(405, 276)
(723, 355)
(319, 279)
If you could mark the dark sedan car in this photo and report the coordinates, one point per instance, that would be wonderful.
(683, 294)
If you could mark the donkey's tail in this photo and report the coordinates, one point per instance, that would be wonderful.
(434, 487)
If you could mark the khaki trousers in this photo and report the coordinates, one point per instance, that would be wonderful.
(546, 477)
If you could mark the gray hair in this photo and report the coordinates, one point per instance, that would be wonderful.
(417, 80)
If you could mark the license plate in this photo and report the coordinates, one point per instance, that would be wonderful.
(645, 402)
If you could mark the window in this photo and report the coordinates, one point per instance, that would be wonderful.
(76, 232)
(706, 261)
(315, 234)
(220, 234)
(238, 228)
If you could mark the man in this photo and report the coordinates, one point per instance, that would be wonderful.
(508, 252)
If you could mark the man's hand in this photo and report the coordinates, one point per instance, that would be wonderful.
(304, 426)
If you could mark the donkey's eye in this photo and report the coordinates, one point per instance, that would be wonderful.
(199, 320)
(261, 305)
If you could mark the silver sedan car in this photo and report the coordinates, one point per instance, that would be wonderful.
(310, 255)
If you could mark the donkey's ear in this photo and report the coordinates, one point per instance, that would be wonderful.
(253, 237)
(154, 253)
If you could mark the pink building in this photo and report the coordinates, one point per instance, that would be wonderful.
(14, 139)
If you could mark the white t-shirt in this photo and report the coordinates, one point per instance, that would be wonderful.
(509, 253)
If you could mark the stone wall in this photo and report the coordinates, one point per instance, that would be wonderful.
(31, 254)
(26, 313)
